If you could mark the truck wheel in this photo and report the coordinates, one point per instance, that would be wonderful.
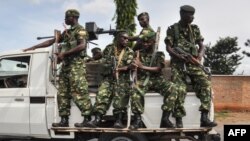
(122, 137)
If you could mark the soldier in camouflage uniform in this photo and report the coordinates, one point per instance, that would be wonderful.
(96, 55)
(143, 19)
(72, 81)
(187, 36)
(150, 78)
(115, 84)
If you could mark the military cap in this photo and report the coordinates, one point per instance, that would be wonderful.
(143, 14)
(96, 49)
(187, 8)
(72, 12)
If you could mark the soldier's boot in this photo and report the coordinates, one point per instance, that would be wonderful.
(63, 123)
(166, 123)
(137, 123)
(96, 122)
(84, 122)
(118, 122)
(205, 122)
(179, 123)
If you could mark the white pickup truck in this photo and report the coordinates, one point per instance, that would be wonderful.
(28, 107)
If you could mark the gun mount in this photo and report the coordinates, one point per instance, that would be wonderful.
(94, 31)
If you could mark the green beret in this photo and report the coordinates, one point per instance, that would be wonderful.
(96, 49)
(187, 8)
(72, 12)
(148, 36)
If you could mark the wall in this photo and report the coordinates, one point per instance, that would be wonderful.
(231, 92)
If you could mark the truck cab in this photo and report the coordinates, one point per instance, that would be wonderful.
(28, 106)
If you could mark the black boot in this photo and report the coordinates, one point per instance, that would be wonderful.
(179, 123)
(137, 123)
(165, 122)
(118, 122)
(63, 123)
(84, 122)
(96, 122)
(205, 122)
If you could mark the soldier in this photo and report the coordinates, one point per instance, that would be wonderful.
(187, 36)
(150, 78)
(143, 19)
(118, 87)
(96, 55)
(72, 81)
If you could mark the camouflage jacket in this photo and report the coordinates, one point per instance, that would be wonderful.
(69, 40)
(185, 38)
(126, 60)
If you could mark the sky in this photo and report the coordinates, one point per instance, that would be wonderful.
(24, 20)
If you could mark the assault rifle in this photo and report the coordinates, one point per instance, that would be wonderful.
(189, 58)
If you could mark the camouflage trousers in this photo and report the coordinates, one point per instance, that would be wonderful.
(73, 85)
(122, 93)
(200, 82)
(104, 97)
(167, 89)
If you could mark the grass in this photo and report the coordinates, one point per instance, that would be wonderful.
(222, 114)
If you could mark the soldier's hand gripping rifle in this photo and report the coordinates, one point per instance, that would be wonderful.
(190, 58)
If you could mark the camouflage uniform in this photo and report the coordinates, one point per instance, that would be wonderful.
(186, 40)
(156, 83)
(72, 81)
(105, 90)
(122, 87)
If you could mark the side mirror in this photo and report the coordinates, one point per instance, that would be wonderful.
(21, 66)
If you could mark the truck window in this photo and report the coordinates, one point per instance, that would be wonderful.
(14, 72)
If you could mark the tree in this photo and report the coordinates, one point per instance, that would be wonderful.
(247, 44)
(125, 14)
(222, 58)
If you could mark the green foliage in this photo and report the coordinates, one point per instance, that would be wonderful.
(125, 15)
(222, 58)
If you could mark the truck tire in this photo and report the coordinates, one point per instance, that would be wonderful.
(122, 137)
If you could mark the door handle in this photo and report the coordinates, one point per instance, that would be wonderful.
(19, 99)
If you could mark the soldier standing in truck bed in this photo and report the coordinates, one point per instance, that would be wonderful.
(143, 19)
(72, 81)
(187, 36)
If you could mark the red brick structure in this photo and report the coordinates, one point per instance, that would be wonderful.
(231, 92)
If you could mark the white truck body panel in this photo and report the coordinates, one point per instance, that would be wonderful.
(30, 111)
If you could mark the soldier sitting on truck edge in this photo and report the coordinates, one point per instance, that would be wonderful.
(118, 88)
(150, 78)
(72, 81)
(187, 36)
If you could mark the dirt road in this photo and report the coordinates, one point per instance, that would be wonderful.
(224, 118)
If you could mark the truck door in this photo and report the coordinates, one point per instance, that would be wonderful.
(14, 95)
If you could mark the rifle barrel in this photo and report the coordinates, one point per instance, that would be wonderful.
(46, 37)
